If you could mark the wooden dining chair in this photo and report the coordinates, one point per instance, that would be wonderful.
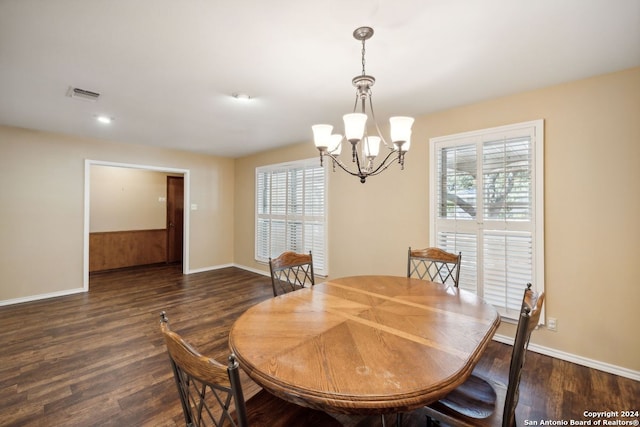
(291, 271)
(436, 264)
(211, 393)
(484, 402)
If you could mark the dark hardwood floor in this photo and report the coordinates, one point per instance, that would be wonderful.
(99, 359)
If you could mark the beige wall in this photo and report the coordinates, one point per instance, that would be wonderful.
(592, 200)
(124, 199)
(42, 209)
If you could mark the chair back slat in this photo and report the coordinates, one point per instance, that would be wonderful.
(528, 321)
(291, 271)
(434, 264)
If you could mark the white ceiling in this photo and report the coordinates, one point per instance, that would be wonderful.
(165, 69)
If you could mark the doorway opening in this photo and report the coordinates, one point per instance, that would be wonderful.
(176, 221)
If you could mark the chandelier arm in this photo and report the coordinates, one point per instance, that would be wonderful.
(343, 167)
(375, 122)
(354, 149)
(384, 165)
(358, 159)
(355, 103)
(381, 167)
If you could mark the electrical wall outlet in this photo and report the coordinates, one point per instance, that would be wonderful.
(552, 324)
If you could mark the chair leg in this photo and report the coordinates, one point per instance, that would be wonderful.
(431, 423)
(398, 420)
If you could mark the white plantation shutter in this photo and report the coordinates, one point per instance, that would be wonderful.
(315, 214)
(487, 203)
(507, 178)
(291, 211)
(278, 211)
(456, 168)
(263, 206)
(467, 244)
(507, 265)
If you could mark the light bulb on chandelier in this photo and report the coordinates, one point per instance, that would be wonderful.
(355, 130)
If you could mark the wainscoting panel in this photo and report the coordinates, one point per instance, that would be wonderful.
(118, 249)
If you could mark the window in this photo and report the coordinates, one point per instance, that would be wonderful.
(291, 211)
(487, 202)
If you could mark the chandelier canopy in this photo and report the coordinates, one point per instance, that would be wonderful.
(364, 147)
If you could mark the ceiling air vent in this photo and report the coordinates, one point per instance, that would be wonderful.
(83, 94)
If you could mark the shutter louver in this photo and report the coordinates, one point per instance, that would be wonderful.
(506, 169)
(456, 190)
(507, 266)
(467, 244)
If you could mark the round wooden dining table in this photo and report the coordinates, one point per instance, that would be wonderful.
(364, 344)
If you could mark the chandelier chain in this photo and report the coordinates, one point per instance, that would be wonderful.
(363, 52)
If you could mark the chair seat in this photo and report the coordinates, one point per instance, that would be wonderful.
(266, 410)
(475, 398)
(478, 402)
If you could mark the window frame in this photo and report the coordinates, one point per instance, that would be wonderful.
(319, 247)
(479, 224)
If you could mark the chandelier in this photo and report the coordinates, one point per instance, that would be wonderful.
(364, 147)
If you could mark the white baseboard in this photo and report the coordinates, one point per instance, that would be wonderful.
(31, 298)
(42, 296)
(211, 268)
(253, 270)
(574, 358)
(217, 267)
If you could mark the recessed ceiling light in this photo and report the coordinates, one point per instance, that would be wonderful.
(241, 96)
(104, 119)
